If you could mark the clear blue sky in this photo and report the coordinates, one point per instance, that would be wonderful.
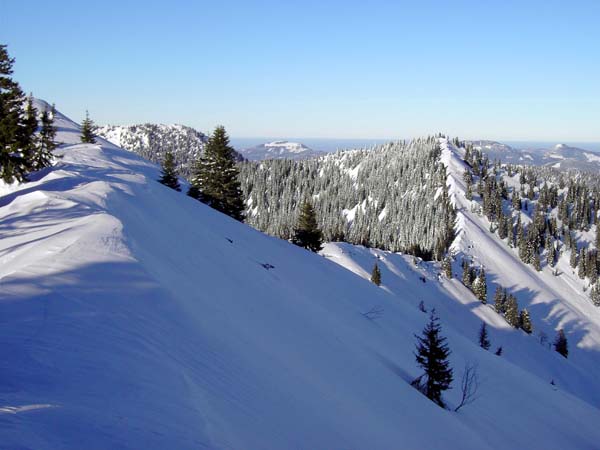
(523, 70)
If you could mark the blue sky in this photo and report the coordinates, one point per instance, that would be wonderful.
(526, 70)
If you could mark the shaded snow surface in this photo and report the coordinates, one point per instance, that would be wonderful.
(132, 316)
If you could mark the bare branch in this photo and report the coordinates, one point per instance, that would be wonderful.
(469, 385)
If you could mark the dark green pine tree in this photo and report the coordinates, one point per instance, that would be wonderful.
(47, 144)
(484, 341)
(500, 300)
(466, 273)
(525, 321)
(169, 173)
(560, 344)
(511, 312)
(16, 134)
(307, 233)
(432, 355)
(376, 275)
(215, 180)
(87, 130)
(29, 140)
(480, 287)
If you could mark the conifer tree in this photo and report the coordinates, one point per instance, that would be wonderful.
(447, 267)
(480, 287)
(88, 129)
(376, 275)
(47, 144)
(484, 341)
(169, 173)
(573, 257)
(307, 233)
(498, 351)
(16, 135)
(525, 321)
(512, 311)
(466, 274)
(500, 300)
(561, 344)
(595, 294)
(216, 177)
(432, 355)
(581, 264)
(29, 141)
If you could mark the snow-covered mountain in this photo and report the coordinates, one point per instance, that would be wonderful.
(153, 141)
(279, 150)
(561, 156)
(134, 316)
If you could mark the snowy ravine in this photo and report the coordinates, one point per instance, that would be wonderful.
(132, 316)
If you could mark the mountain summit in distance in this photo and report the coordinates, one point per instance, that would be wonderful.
(280, 149)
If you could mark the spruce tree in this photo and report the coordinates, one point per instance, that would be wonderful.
(581, 264)
(43, 155)
(573, 257)
(29, 140)
(376, 275)
(169, 173)
(484, 341)
(500, 300)
(525, 321)
(16, 135)
(595, 294)
(432, 355)
(307, 233)
(87, 130)
(447, 267)
(480, 287)
(560, 344)
(512, 311)
(215, 180)
(466, 274)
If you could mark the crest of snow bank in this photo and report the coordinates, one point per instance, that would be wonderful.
(153, 320)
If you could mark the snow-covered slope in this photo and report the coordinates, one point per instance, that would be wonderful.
(132, 316)
(280, 150)
(153, 141)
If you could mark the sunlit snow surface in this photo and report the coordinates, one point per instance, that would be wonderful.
(132, 316)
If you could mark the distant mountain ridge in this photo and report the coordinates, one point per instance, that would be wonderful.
(561, 156)
(280, 149)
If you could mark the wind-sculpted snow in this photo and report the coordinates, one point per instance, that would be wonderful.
(132, 316)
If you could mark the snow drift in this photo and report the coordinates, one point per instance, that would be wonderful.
(132, 316)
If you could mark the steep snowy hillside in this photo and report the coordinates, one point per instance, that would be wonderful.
(153, 141)
(555, 302)
(280, 150)
(132, 316)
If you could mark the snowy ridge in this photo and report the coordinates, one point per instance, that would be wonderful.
(133, 316)
(555, 302)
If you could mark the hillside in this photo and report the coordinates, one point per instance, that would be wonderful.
(153, 141)
(133, 316)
